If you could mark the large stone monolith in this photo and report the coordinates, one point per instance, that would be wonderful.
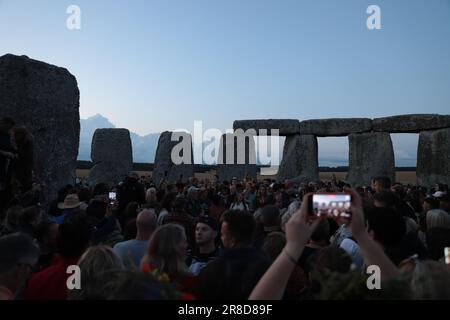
(433, 158)
(300, 159)
(370, 155)
(112, 156)
(174, 159)
(237, 157)
(45, 99)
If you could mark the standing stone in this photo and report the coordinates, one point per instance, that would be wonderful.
(165, 167)
(433, 158)
(44, 99)
(300, 159)
(237, 157)
(111, 155)
(371, 155)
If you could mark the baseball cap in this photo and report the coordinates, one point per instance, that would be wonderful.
(210, 221)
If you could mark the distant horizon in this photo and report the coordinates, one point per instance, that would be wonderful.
(333, 151)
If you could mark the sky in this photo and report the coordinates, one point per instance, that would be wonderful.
(152, 66)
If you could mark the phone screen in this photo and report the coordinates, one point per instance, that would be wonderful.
(112, 196)
(336, 205)
(447, 255)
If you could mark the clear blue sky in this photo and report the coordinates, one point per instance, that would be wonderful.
(153, 65)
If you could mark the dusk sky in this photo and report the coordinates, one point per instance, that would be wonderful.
(152, 66)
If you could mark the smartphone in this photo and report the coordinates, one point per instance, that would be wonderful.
(447, 255)
(112, 196)
(330, 205)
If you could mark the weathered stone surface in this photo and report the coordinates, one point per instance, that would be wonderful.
(335, 127)
(433, 157)
(237, 157)
(165, 168)
(411, 123)
(371, 155)
(45, 99)
(112, 156)
(285, 126)
(300, 159)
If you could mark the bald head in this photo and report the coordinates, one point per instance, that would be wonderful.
(146, 223)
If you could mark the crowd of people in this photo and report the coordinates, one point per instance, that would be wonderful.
(239, 239)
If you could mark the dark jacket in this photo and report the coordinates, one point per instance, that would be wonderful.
(233, 275)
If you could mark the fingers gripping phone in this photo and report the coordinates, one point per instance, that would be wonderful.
(330, 205)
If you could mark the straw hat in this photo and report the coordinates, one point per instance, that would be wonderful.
(70, 202)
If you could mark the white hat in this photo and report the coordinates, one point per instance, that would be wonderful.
(193, 189)
(439, 194)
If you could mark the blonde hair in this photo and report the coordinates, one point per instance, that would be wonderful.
(438, 218)
(163, 250)
(96, 260)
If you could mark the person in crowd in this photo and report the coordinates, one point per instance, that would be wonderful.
(217, 206)
(29, 219)
(107, 229)
(18, 255)
(318, 241)
(193, 205)
(380, 183)
(125, 285)
(94, 262)
(46, 235)
(12, 220)
(273, 244)
(84, 195)
(70, 204)
(438, 218)
(167, 254)
(181, 217)
(166, 206)
(130, 212)
(444, 203)
(239, 202)
(132, 251)
(131, 190)
(74, 238)
(205, 249)
(270, 218)
(235, 272)
(151, 199)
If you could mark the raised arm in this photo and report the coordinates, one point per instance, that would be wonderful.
(298, 231)
(372, 252)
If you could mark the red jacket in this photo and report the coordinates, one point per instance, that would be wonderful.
(50, 283)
